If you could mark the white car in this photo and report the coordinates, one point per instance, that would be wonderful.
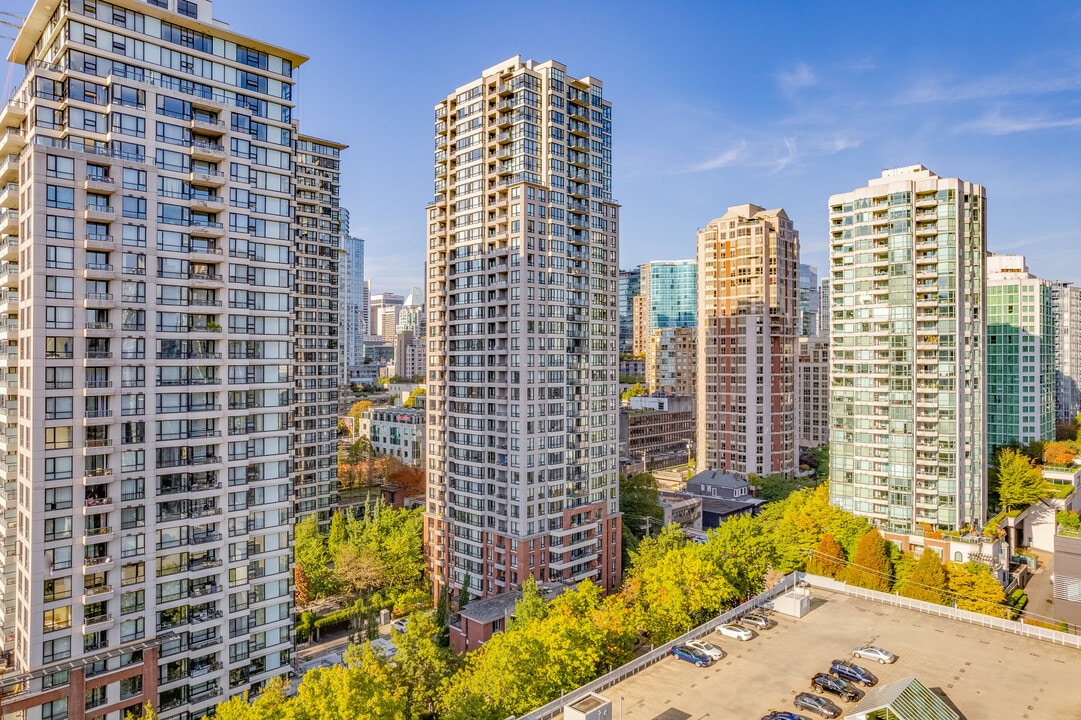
(399, 625)
(870, 652)
(735, 631)
(714, 652)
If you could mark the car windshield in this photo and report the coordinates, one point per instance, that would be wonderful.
(707, 646)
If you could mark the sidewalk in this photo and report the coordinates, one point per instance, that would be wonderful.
(1041, 603)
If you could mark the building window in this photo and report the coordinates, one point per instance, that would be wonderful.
(53, 650)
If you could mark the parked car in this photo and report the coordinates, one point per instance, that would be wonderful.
(870, 652)
(755, 620)
(714, 652)
(733, 630)
(817, 704)
(823, 682)
(399, 625)
(853, 672)
(783, 715)
(692, 655)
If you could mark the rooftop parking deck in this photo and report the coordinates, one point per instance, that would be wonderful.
(981, 672)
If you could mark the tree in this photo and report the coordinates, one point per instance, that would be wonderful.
(778, 486)
(147, 714)
(337, 532)
(640, 504)
(412, 399)
(633, 391)
(442, 616)
(358, 408)
(870, 566)
(927, 581)
(463, 594)
(312, 555)
(828, 559)
(1060, 453)
(531, 607)
(422, 663)
(974, 588)
(358, 569)
(303, 585)
(822, 456)
(1019, 483)
(743, 552)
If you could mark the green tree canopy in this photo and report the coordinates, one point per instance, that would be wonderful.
(634, 391)
(1018, 481)
(974, 588)
(927, 581)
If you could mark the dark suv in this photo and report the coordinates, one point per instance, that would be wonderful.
(853, 672)
(833, 684)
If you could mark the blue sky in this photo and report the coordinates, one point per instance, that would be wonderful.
(715, 104)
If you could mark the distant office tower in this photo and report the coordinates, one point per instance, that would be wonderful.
(824, 308)
(379, 303)
(629, 286)
(747, 326)
(148, 237)
(908, 442)
(807, 301)
(356, 306)
(319, 371)
(1066, 307)
(813, 391)
(411, 316)
(1020, 354)
(670, 361)
(669, 292)
(523, 333)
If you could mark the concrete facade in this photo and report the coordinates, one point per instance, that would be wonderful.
(671, 361)
(522, 292)
(1066, 308)
(747, 329)
(813, 391)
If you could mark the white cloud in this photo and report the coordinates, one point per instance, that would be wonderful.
(800, 77)
(728, 157)
(995, 123)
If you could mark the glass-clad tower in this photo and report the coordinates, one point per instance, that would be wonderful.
(907, 351)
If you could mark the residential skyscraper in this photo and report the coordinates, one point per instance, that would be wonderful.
(1020, 354)
(807, 301)
(813, 391)
(747, 327)
(149, 240)
(1066, 308)
(629, 286)
(523, 333)
(669, 290)
(356, 307)
(907, 344)
(319, 370)
(670, 361)
(823, 308)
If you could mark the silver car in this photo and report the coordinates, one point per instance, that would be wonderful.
(756, 621)
(870, 652)
(735, 631)
(714, 652)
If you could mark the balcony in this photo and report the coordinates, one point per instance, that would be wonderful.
(99, 213)
(9, 222)
(9, 249)
(9, 195)
(12, 141)
(98, 242)
(202, 150)
(99, 183)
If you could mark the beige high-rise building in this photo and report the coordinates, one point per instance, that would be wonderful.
(522, 333)
(671, 361)
(748, 274)
(148, 238)
(640, 325)
(813, 391)
(908, 351)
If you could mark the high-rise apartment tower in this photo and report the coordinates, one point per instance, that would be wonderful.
(151, 241)
(1020, 354)
(747, 327)
(522, 333)
(1066, 309)
(908, 430)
